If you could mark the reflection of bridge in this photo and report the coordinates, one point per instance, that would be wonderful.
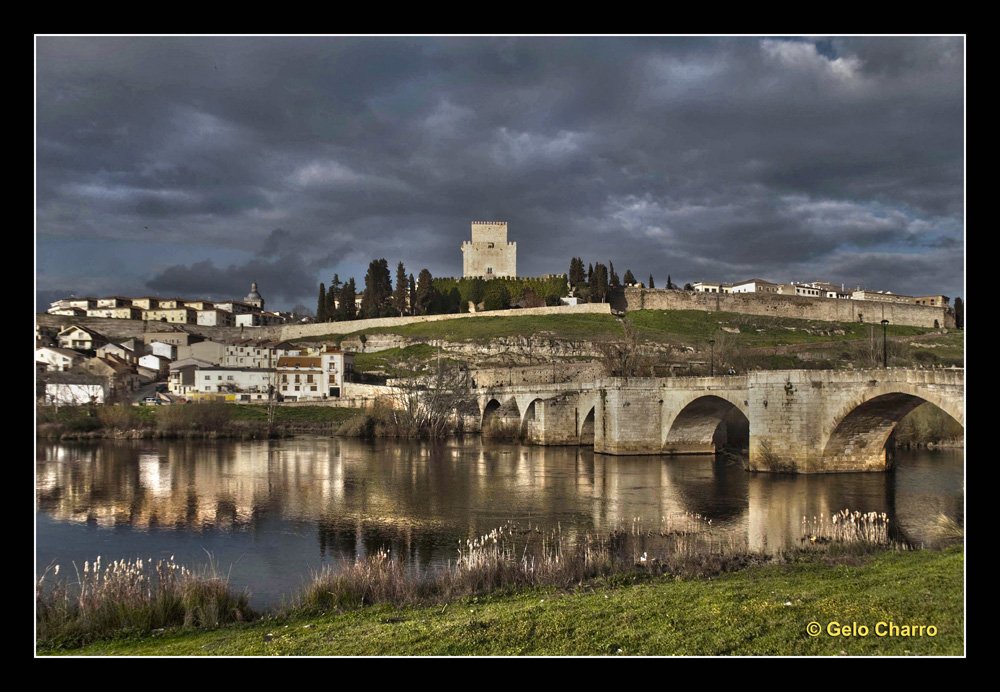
(807, 421)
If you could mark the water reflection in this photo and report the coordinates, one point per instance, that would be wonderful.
(274, 510)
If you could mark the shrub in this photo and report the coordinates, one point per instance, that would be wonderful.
(118, 417)
(496, 296)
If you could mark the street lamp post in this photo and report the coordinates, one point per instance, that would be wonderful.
(885, 353)
(711, 342)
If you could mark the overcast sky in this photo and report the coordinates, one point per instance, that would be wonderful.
(191, 166)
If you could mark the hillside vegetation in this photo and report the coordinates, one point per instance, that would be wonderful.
(677, 336)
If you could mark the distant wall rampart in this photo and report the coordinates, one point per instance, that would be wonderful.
(797, 307)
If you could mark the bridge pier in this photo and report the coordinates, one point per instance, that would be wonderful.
(557, 421)
(629, 418)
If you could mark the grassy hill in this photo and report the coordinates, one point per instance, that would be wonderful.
(850, 343)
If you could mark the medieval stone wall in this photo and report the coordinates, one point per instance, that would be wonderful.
(798, 307)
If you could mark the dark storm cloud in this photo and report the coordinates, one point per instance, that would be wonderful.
(279, 266)
(703, 158)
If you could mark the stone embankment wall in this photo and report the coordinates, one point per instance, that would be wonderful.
(798, 307)
(536, 374)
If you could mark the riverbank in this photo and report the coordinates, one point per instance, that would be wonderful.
(759, 610)
(208, 420)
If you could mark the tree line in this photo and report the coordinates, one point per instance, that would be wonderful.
(596, 282)
(427, 295)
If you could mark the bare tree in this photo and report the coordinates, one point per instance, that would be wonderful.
(626, 357)
(867, 352)
(731, 354)
(433, 402)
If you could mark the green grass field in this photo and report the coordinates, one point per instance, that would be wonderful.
(756, 611)
(656, 325)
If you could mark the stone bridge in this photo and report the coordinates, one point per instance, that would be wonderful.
(805, 421)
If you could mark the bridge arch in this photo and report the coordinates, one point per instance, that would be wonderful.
(857, 436)
(706, 424)
(495, 412)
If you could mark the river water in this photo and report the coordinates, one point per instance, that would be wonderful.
(270, 512)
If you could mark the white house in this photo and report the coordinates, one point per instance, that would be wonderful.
(753, 286)
(80, 338)
(162, 349)
(213, 317)
(338, 368)
(57, 359)
(257, 319)
(157, 363)
(183, 373)
(252, 382)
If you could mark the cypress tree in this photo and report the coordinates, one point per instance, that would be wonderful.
(375, 301)
(600, 284)
(321, 304)
(629, 278)
(425, 291)
(401, 294)
(346, 308)
(413, 296)
(651, 281)
(332, 296)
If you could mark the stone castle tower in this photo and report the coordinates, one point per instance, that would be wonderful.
(488, 254)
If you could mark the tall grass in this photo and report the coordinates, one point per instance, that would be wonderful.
(132, 596)
(513, 556)
(852, 528)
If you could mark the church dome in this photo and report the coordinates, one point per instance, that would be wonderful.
(253, 296)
